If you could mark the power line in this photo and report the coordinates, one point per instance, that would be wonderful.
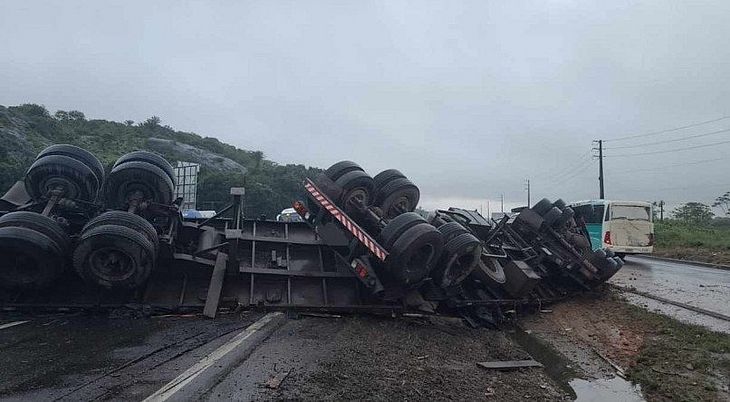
(586, 155)
(670, 166)
(671, 140)
(574, 173)
(669, 150)
(628, 137)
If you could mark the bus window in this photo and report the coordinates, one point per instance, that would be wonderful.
(589, 213)
(631, 212)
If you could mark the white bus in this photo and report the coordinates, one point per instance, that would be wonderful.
(626, 227)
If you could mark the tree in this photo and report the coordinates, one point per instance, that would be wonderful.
(129, 123)
(61, 115)
(76, 115)
(723, 202)
(152, 122)
(695, 213)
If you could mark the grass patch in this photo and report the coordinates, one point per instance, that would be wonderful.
(680, 361)
(678, 240)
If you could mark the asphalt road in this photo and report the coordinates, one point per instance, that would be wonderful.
(695, 285)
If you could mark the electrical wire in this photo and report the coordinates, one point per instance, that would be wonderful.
(651, 133)
(669, 166)
(670, 140)
(668, 150)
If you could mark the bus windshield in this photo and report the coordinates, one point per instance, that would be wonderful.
(631, 212)
(591, 213)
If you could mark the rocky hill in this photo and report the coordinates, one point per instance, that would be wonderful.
(270, 187)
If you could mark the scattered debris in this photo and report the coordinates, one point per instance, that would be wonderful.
(509, 364)
(275, 381)
(12, 324)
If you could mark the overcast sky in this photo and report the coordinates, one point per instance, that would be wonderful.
(467, 98)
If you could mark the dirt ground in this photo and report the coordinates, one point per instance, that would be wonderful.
(721, 257)
(367, 358)
(670, 360)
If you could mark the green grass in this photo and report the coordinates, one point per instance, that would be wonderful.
(675, 234)
(679, 361)
(683, 241)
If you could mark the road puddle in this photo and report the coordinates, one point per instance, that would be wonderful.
(561, 370)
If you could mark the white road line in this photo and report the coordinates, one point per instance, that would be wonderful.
(174, 386)
(12, 324)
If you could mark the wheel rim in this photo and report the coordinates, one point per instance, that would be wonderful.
(68, 188)
(420, 259)
(459, 266)
(111, 264)
(358, 195)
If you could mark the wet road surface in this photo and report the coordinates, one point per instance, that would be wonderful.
(698, 286)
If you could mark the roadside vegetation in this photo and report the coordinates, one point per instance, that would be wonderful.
(678, 361)
(695, 234)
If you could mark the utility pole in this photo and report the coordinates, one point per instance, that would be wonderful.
(527, 184)
(489, 213)
(501, 197)
(600, 167)
(661, 211)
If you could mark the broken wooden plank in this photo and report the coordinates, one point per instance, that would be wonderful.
(509, 364)
(276, 380)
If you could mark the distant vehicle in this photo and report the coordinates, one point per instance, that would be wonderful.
(626, 227)
(289, 215)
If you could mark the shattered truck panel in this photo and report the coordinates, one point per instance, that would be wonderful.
(75, 238)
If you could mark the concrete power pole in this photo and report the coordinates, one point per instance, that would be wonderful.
(600, 168)
(527, 187)
(501, 197)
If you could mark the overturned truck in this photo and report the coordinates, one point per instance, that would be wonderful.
(74, 237)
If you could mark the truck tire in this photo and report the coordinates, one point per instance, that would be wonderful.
(149, 157)
(79, 154)
(460, 257)
(41, 224)
(356, 185)
(560, 204)
(542, 206)
(29, 259)
(449, 230)
(339, 169)
(414, 254)
(76, 179)
(551, 216)
(565, 216)
(385, 177)
(114, 256)
(396, 197)
(490, 271)
(395, 228)
(126, 219)
(129, 178)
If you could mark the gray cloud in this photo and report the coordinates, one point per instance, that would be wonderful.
(467, 98)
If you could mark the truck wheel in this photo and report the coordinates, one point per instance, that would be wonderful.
(542, 206)
(449, 230)
(339, 169)
(490, 271)
(126, 219)
(80, 154)
(385, 177)
(140, 180)
(459, 258)
(559, 204)
(114, 257)
(414, 254)
(356, 186)
(29, 259)
(397, 196)
(39, 223)
(565, 216)
(551, 216)
(610, 253)
(149, 157)
(397, 226)
(50, 172)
